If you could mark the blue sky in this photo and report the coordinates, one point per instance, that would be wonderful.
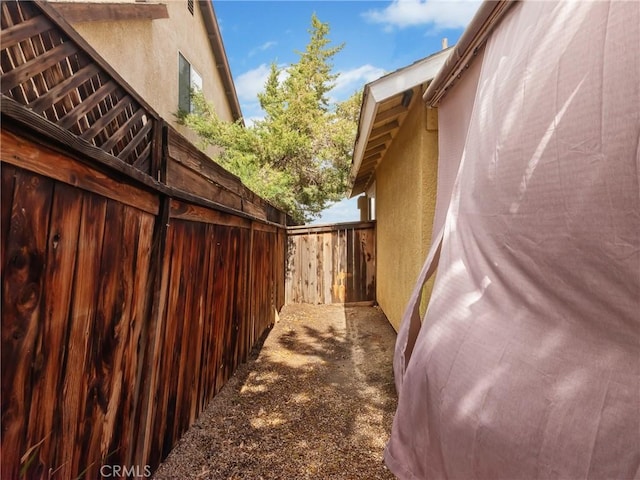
(379, 37)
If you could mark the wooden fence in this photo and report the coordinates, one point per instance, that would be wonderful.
(331, 263)
(136, 273)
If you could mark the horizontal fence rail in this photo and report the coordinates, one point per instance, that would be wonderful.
(131, 287)
(331, 264)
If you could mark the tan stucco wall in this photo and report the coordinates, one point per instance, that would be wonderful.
(145, 54)
(405, 203)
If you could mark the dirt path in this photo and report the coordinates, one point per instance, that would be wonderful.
(315, 403)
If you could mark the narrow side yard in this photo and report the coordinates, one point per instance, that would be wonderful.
(316, 401)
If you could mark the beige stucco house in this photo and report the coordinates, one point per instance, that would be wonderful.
(395, 167)
(160, 49)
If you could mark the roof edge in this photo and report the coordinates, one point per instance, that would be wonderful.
(416, 73)
(368, 111)
(473, 38)
(222, 62)
(383, 88)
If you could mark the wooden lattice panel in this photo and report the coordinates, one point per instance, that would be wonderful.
(45, 70)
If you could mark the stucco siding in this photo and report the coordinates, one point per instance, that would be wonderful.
(405, 204)
(145, 54)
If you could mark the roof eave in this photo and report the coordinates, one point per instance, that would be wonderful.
(367, 114)
(222, 63)
(473, 38)
(382, 89)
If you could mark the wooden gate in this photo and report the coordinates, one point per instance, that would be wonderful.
(331, 264)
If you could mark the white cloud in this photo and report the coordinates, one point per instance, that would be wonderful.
(250, 83)
(251, 121)
(349, 81)
(251, 112)
(438, 13)
(265, 46)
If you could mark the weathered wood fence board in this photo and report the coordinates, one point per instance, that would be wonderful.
(331, 263)
(76, 323)
(128, 297)
(75, 297)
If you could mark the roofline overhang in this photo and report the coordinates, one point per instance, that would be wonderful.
(472, 40)
(222, 63)
(384, 88)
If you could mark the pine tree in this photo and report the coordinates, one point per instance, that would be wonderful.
(298, 156)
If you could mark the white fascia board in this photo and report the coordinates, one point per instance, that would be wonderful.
(408, 77)
(369, 110)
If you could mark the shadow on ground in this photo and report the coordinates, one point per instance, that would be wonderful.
(316, 402)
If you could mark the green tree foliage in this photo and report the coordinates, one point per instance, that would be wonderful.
(298, 157)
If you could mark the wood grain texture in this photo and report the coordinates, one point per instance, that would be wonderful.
(25, 71)
(89, 287)
(83, 313)
(25, 154)
(23, 282)
(22, 31)
(188, 211)
(190, 169)
(331, 263)
(62, 244)
(127, 302)
(183, 178)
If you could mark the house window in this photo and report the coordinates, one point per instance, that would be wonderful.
(190, 6)
(188, 78)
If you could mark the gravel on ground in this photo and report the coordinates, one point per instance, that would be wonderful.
(316, 401)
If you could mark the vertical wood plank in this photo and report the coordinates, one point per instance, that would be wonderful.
(83, 310)
(209, 355)
(163, 243)
(104, 344)
(23, 282)
(136, 373)
(185, 321)
(199, 319)
(313, 269)
(177, 321)
(296, 271)
(46, 403)
(124, 331)
(303, 274)
(282, 265)
(232, 271)
(221, 299)
(328, 272)
(343, 265)
(288, 282)
(319, 257)
(352, 268)
(335, 267)
(370, 281)
(251, 274)
(168, 351)
(8, 173)
(199, 343)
